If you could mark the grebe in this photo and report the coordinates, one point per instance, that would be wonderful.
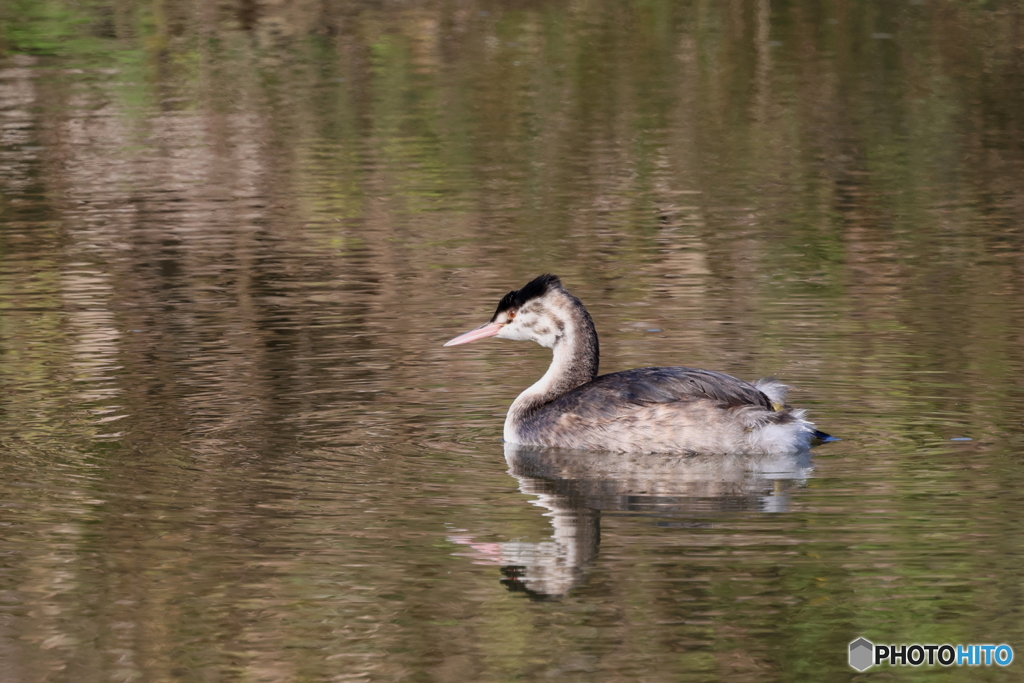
(646, 410)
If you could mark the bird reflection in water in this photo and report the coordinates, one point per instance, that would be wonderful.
(575, 487)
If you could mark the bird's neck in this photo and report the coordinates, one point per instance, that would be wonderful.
(575, 357)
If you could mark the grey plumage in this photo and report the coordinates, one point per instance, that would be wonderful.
(644, 386)
(665, 409)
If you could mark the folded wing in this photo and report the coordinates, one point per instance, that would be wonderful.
(608, 394)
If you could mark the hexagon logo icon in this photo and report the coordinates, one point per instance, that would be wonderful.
(862, 654)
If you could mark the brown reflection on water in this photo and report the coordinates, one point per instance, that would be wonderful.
(233, 238)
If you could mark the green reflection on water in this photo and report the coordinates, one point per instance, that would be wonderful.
(233, 237)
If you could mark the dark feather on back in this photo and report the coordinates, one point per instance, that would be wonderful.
(603, 397)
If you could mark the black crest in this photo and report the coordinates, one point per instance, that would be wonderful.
(537, 287)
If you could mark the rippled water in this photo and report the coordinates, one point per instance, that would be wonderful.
(234, 237)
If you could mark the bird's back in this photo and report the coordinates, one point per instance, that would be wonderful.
(670, 409)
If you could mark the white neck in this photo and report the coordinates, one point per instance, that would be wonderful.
(574, 362)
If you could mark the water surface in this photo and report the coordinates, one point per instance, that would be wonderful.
(233, 239)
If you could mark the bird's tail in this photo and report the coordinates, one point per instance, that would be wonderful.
(818, 437)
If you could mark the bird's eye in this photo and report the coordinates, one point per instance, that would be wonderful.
(511, 315)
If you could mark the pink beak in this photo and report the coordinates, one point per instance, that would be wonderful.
(482, 332)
